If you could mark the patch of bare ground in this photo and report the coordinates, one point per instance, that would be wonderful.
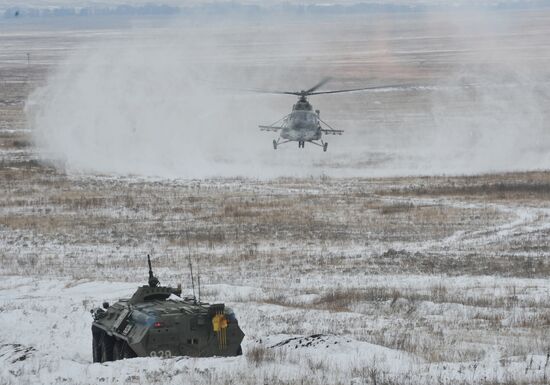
(499, 187)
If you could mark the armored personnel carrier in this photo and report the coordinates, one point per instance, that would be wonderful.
(155, 322)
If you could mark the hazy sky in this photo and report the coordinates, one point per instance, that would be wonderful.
(79, 3)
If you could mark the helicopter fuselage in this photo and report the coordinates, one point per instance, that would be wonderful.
(302, 126)
(302, 123)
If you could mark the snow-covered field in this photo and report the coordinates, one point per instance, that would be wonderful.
(338, 280)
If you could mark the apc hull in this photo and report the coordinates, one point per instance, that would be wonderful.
(164, 328)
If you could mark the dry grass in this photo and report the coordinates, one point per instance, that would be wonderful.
(509, 187)
(248, 233)
(259, 355)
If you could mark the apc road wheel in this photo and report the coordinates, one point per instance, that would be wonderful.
(96, 346)
(274, 144)
(106, 343)
(325, 147)
(127, 351)
(117, 350)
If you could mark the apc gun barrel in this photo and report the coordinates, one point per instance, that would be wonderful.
(153, 281)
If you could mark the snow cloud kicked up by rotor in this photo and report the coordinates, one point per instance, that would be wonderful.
(145, 107)
(169, 102)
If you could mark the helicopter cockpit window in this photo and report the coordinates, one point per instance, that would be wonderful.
(305, 117)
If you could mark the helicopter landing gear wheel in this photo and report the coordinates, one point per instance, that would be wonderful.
(325, 145)
(274, 144)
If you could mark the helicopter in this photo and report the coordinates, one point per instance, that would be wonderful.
(303, 124)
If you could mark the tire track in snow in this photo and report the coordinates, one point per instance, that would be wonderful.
(525, 220)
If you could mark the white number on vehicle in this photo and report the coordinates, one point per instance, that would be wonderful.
(161, 354)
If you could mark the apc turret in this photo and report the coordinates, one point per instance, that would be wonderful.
(155, 322)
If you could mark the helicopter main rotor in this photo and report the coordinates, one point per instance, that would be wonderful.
(303, 94)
